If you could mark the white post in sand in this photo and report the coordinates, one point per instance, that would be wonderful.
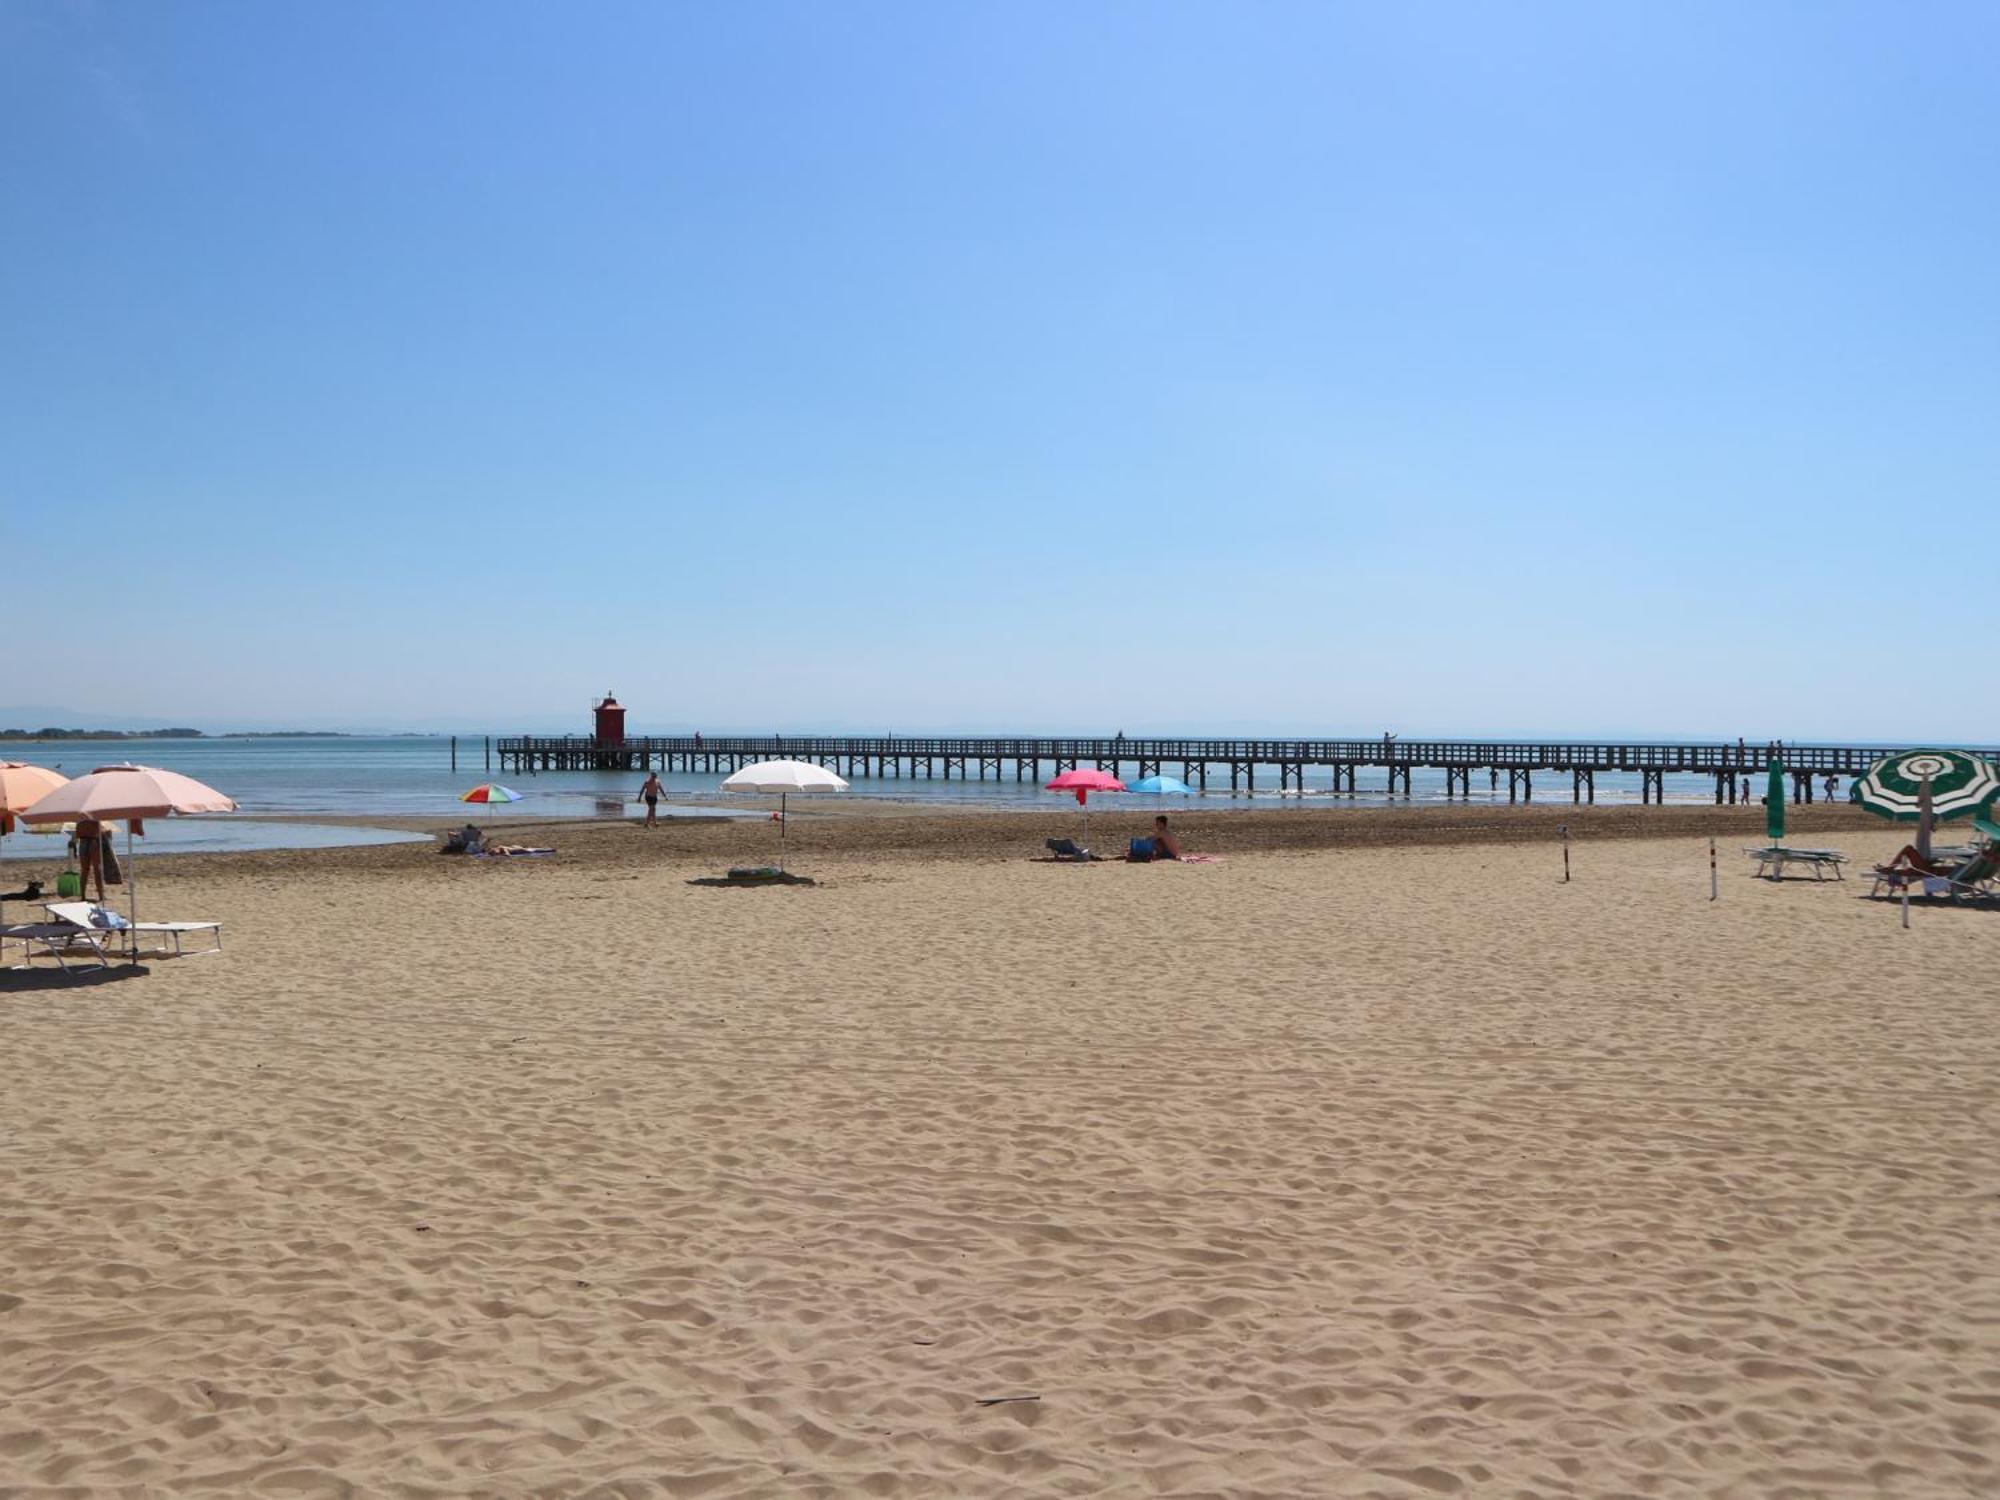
(1906, 906)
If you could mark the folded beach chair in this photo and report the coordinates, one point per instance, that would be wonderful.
(103, 920)
(1067, 849)
(60, 940)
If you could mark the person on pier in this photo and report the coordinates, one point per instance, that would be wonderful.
(651, 793)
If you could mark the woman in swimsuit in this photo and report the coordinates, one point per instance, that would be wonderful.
(90, 856)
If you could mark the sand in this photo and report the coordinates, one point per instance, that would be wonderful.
(1395, 1170)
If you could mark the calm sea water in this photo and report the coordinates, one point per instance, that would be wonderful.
(414, 777)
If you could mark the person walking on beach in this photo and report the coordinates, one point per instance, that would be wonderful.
(651, 792)
(1832, 786)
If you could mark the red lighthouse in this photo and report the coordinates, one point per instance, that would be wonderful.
(610, 716)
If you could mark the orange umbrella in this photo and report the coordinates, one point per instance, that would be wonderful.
(21, 787)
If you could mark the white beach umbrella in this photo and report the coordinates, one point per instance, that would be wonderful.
(127, 794)
(785, 777)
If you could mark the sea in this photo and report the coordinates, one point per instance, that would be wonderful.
(281, 783)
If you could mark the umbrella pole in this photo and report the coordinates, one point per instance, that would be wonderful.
(132, 892)
(781, 833)
(1924, 820)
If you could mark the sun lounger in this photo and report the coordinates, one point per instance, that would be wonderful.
(60, 940)
(1974, 879)
(84, 914)
(1772, 859)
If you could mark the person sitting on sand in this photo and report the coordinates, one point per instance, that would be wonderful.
(1165, 845)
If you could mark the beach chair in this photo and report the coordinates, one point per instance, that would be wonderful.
(101, 920)
(1068, 850)
(1974, 879)
(60, 940)
(1772, 859)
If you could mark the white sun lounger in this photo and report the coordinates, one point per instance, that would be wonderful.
(80, 914)
(59, 940)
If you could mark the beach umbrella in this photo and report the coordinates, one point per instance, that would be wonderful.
(1083, 782)
(786, 778)
(1928, 786)
(1774, 802)
(21, 787)
(1161, 786)
(128, 794)
(491, 794)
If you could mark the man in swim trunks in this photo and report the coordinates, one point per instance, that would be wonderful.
(651, 792)
(1165, 845)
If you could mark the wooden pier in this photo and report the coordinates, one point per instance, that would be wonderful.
(1576, 763)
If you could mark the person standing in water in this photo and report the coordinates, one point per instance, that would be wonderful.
(651, 793)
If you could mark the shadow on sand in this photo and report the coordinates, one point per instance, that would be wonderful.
(749, 882)
(49, 977)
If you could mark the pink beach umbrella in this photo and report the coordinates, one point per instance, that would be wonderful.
(127, 794)
(1083, 782)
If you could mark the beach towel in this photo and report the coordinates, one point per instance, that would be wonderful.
(1201, 859)
(506, 851)
(107, 856)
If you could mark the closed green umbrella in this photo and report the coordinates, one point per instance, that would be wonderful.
(1774, 802)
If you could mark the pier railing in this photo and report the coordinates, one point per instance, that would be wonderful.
(980, 757)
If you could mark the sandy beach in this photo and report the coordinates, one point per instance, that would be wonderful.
(1372, 1160)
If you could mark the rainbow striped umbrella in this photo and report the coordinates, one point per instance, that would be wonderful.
(491, 792)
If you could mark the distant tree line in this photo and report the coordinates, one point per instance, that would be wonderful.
(101, 734)
(168, 734)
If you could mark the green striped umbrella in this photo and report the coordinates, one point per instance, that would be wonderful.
(1774, 802)
(1956, 783)
(1926, 787)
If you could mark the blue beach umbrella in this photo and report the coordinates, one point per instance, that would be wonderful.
(1162, 786)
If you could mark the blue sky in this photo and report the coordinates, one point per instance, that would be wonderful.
(1444, 368)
